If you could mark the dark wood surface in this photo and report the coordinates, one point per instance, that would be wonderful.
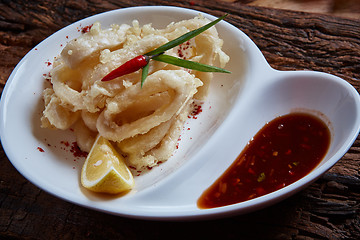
(328, 209)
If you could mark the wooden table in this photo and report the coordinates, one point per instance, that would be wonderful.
(328, 209)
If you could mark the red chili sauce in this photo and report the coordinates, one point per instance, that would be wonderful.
(283, 151)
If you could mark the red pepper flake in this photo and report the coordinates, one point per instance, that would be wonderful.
(48, 63)
(76, 151)
(196, 111)
(182, 48)
(66, 143)
(86, 29)
(180, 54)
(40, 149)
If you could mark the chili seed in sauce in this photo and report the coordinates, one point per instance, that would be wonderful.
(283, 151)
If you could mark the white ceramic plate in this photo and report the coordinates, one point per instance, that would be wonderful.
(238, 105)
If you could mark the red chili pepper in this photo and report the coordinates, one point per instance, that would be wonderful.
(128, 67)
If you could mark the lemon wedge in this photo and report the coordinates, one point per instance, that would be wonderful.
(105, 170)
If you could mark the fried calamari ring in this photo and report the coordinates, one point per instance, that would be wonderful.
(67, 86)
(114, 122)
(165, 136)
(85, 138)
(55, 114)
(93, 41)
(143, 143)
(81, 88)
(90, 119)
(144, 122)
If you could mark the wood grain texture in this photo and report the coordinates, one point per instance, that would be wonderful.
(328, 209)
(344, 8)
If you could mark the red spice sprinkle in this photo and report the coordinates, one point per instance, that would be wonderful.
(40, 149)
(66, 143)
(76, 151)
(182, 48)
(48, 63)
(86, 29)
(181, 55)
(196, 111)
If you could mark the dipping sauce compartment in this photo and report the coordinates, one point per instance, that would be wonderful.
(283, 151)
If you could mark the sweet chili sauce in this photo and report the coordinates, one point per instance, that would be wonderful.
(283, 151)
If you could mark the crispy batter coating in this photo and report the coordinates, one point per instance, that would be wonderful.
(145, 123)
